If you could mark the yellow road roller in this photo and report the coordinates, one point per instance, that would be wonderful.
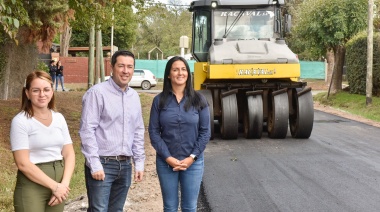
(246, 71)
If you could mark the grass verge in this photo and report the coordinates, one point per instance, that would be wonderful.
(352, 103)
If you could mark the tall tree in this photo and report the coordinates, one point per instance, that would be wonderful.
(125, 25)
(9, 18)
(303, 52)
(39, 21)
(47, 18)
(99, 14)
(153, 28)
(125, 28)
(66, 33)
(327, 25)
(376, 14)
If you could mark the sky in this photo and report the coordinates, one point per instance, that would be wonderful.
(183, 2)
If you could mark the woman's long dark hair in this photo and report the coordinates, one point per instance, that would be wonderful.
(193, 98)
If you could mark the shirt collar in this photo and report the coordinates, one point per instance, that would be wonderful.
(116, 86)
(171, 91)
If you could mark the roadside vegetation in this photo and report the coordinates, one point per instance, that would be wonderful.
(351, 103)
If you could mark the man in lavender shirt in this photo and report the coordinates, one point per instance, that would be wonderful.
(112, 133)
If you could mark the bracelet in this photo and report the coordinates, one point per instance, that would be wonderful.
(56, 188)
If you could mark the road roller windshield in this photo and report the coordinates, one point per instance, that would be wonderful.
(244, 24)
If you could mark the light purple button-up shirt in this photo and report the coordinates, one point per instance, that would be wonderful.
(111, 125)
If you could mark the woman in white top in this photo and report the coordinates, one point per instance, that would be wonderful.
(42, 149)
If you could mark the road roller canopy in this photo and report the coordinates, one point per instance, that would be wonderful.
(219, 22)
(233, 3)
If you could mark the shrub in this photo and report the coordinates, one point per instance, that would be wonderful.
(356, 63)
(42, 66)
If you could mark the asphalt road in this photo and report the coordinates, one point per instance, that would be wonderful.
(336, 169)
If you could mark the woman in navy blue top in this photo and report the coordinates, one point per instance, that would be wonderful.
(179, 130)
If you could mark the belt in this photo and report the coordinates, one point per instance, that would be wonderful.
(118, 158)
(53, 163)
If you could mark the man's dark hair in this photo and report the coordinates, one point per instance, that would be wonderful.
(121, 53)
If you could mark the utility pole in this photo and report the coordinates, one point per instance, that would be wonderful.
(369, 84)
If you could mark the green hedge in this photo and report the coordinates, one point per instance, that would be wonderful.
(356, 64)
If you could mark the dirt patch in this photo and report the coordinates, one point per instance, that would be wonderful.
(318, 85)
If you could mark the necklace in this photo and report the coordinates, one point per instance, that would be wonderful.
(176, 95)
(42, 118)
(178, 98)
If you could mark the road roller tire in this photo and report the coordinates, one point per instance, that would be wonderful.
(253, 119)
(207, 94)
(229, 125)
(278, 114)
(301, 122)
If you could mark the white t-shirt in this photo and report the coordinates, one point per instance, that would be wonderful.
(44, 143)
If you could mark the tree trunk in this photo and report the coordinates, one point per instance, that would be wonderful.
(65, 40)
(101, 59)
(7, 73)
(20, 60)
(91, 53)
(98, 52)
(339, 55)
(330, 65)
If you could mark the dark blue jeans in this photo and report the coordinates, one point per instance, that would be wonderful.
(59, 77)
(110, 194)
(189, 181)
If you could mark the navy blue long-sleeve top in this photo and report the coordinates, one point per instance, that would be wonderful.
(176, 132)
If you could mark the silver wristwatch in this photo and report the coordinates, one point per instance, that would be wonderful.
(194, 157)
